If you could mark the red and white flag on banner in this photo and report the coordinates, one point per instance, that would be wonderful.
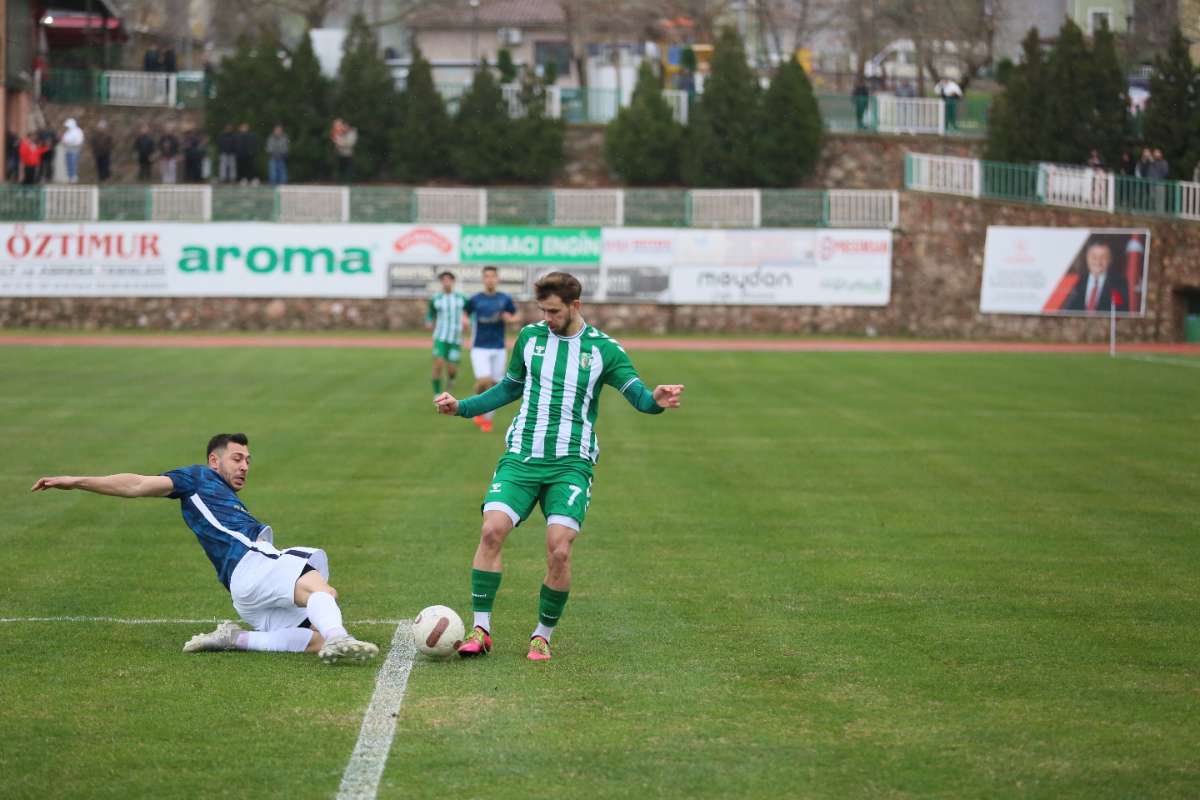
(1133, 271)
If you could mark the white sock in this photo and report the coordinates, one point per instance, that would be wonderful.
(284, 640)
(542, 631)
(325, 616)
(483, 619)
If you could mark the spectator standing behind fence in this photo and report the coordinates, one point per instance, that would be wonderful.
(168, 156)
(72, 141)
(30, 152)
(102, 144)
(12, 156)
(193, 156)
(151, 62)
(862, 98)
(1160, 170)
(245, 146)
(277, 151)
(143, 147)
(49, 140)
(226, 155)
(951, 94)
(344, 137)
(1142, 170)
(168, 60)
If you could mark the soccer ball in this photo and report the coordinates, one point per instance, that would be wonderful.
(439, 631)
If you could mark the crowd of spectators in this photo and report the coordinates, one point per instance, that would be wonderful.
(168, 155)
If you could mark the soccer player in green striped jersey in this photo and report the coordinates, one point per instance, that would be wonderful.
(557, 368)
(446, 318)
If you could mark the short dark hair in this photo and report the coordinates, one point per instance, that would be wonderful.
(221, 440)
(563, 285)
(445, 274)
(490, 268)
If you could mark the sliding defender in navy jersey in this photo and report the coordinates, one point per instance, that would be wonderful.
(489, 311)
(284, 595)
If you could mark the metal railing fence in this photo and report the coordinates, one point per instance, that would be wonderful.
(1065, 185)
(733, 208)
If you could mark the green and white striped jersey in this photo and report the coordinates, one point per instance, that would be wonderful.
(562, 378)
(445, 312)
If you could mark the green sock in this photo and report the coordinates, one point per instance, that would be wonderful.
(550, 605)
(484, 586)
(437, 386)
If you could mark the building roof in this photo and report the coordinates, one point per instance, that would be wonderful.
(490, 14)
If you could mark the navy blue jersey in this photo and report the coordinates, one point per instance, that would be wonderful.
(489, 327)
(212, 509)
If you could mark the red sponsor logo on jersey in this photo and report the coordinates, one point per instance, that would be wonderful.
(423, 236)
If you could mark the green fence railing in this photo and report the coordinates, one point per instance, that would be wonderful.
(1067, 185)
(517, 206)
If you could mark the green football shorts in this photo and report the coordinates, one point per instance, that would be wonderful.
(563, 489)
(449, 351)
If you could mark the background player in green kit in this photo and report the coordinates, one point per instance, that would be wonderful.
(445, 318)
(557, 368)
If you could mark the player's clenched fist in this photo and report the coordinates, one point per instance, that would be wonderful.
(446, 404)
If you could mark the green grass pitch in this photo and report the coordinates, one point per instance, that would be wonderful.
(828, 575)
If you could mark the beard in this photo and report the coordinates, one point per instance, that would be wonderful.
(566, 326)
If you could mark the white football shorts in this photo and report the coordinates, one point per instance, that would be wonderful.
(488, 363)
(263, 585)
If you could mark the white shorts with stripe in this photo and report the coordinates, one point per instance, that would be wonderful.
(488, 363)
(263, 585)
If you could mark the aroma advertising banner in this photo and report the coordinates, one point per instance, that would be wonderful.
(213, 260)
(1065, 271)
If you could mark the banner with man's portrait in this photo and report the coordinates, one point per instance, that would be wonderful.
(1065, 271)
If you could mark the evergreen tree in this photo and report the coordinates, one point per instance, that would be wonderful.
(421, 144)
(482, 143)
(1069, 99)
(1172, 119)
(506, 67)
(720, 140)
(642, 144)
(537, 141)
(1109, 100)
(306, 117)
(367, 99)
(789, 141)
(1016, 124)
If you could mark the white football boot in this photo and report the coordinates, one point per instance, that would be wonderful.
(223, 638)
(346, 648)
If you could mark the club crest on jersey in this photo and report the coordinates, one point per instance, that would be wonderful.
(585, 360)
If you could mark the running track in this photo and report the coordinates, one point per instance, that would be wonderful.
(715, 344)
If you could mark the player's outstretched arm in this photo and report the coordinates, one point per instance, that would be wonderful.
(123, 484)
(652, 402)
(501, 394)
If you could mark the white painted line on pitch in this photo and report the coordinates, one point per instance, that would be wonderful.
(365, 768)
(1178, 362)
(124, 621)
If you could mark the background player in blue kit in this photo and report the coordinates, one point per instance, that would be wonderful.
(283, 594)
(490, 310)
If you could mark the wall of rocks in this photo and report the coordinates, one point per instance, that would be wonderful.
(936, 275)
